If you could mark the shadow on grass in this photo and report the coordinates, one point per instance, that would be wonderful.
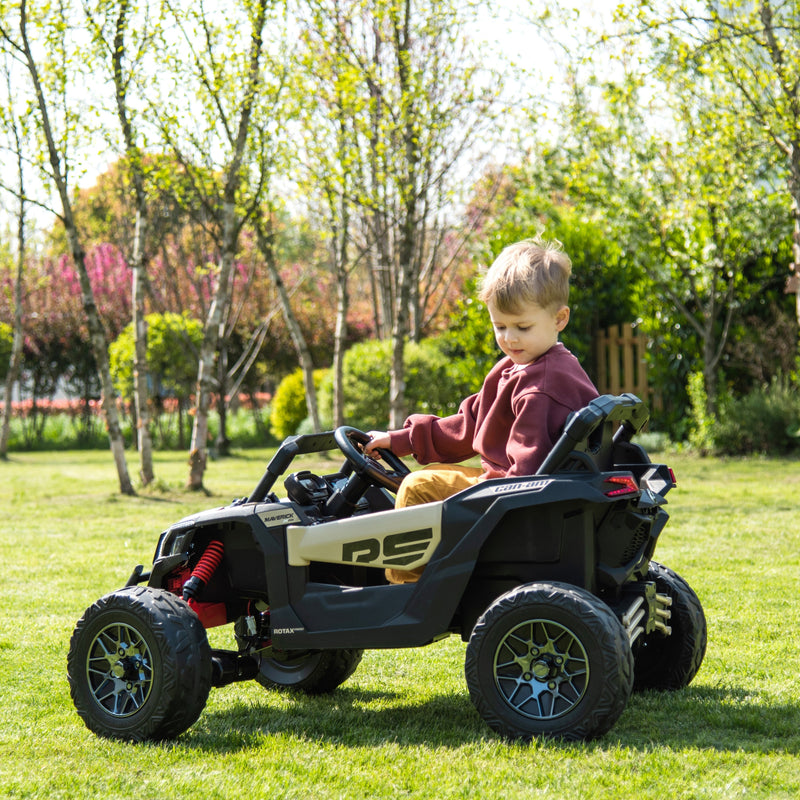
(697, 718)
(712, 718)
(351, 717)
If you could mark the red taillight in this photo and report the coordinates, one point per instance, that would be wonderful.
(672, 476)
(625, 483)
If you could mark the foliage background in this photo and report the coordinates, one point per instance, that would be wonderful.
(628, 140)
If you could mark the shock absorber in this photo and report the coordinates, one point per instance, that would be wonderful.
(204, 570)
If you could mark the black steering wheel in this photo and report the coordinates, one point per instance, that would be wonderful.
(351, 441)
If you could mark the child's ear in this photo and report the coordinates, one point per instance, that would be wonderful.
(562, 318)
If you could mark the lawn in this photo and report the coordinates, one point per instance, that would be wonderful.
(403, 725)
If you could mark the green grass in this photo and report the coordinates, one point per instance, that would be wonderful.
(403, 725)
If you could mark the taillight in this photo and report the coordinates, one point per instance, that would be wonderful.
(625, 485)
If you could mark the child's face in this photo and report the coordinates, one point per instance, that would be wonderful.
(528, 334)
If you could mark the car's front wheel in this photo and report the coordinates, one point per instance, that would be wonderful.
(139, 665)
(549, 659)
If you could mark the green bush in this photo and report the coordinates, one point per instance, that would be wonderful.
(61, 431)
(701, 434)
(289, 407)
(765, 421)
(246, 427)
(429, 388)
(469, 344)
(6, 344)
(173, 343)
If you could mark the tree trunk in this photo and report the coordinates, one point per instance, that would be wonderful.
(218, 311)
(339, 344)
(99, 344)
(214, 329)
(16, 347)
(407, 190)
(296, 332)
(710, 375)
(397, 376)
(222, 443)
(198, 447)
(793, 283)
(140, 392)
(138, 258)
(181, 426)
(97, 335)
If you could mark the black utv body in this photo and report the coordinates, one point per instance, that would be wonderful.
(548, 578)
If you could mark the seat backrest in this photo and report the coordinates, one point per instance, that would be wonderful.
(591, 435)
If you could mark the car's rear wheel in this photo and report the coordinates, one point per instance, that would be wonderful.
(308, 671)
(671, 662)
(549, 659)
(139, 665)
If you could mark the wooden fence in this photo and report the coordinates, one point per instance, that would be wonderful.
(621, 365)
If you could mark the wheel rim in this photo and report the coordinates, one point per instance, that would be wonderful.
(541, 669)
(290, 670)
(119, 670)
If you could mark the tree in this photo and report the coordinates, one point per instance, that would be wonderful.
(13, 125)
(437, 115)
(112, 27)
(227, 83)
(173, 343)
(539, 198)
(56, 163)
(405, 109)
(266, 246)
(683, 185)
(750, 48)
(331, 160)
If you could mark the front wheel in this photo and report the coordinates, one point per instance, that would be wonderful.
(549, 659)
(308, 671)
(139, 665)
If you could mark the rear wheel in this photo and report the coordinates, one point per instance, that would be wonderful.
(139, 665)
(671, 662)
(549, 659)
(308, 671)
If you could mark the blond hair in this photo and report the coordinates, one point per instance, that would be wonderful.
(530, 271)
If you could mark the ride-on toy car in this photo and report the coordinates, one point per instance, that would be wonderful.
(548, 578)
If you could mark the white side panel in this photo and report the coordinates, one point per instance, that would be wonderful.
(404, 538)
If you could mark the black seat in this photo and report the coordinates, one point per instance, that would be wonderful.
(595, 437)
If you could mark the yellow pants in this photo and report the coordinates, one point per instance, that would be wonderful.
(430, 484)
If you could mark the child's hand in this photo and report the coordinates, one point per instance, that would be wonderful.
(379, 440)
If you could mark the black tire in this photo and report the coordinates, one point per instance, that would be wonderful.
(550, 660)
(139, 665)
(670, 662)
(311, 672)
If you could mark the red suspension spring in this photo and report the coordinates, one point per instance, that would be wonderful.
(205, 569)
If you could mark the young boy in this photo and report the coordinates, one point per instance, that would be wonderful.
(518, 415)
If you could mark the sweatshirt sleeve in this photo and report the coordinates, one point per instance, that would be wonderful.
(446, 439)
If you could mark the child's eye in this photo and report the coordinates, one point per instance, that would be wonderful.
(525, 328)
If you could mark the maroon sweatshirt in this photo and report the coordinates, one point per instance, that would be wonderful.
(512, 423)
